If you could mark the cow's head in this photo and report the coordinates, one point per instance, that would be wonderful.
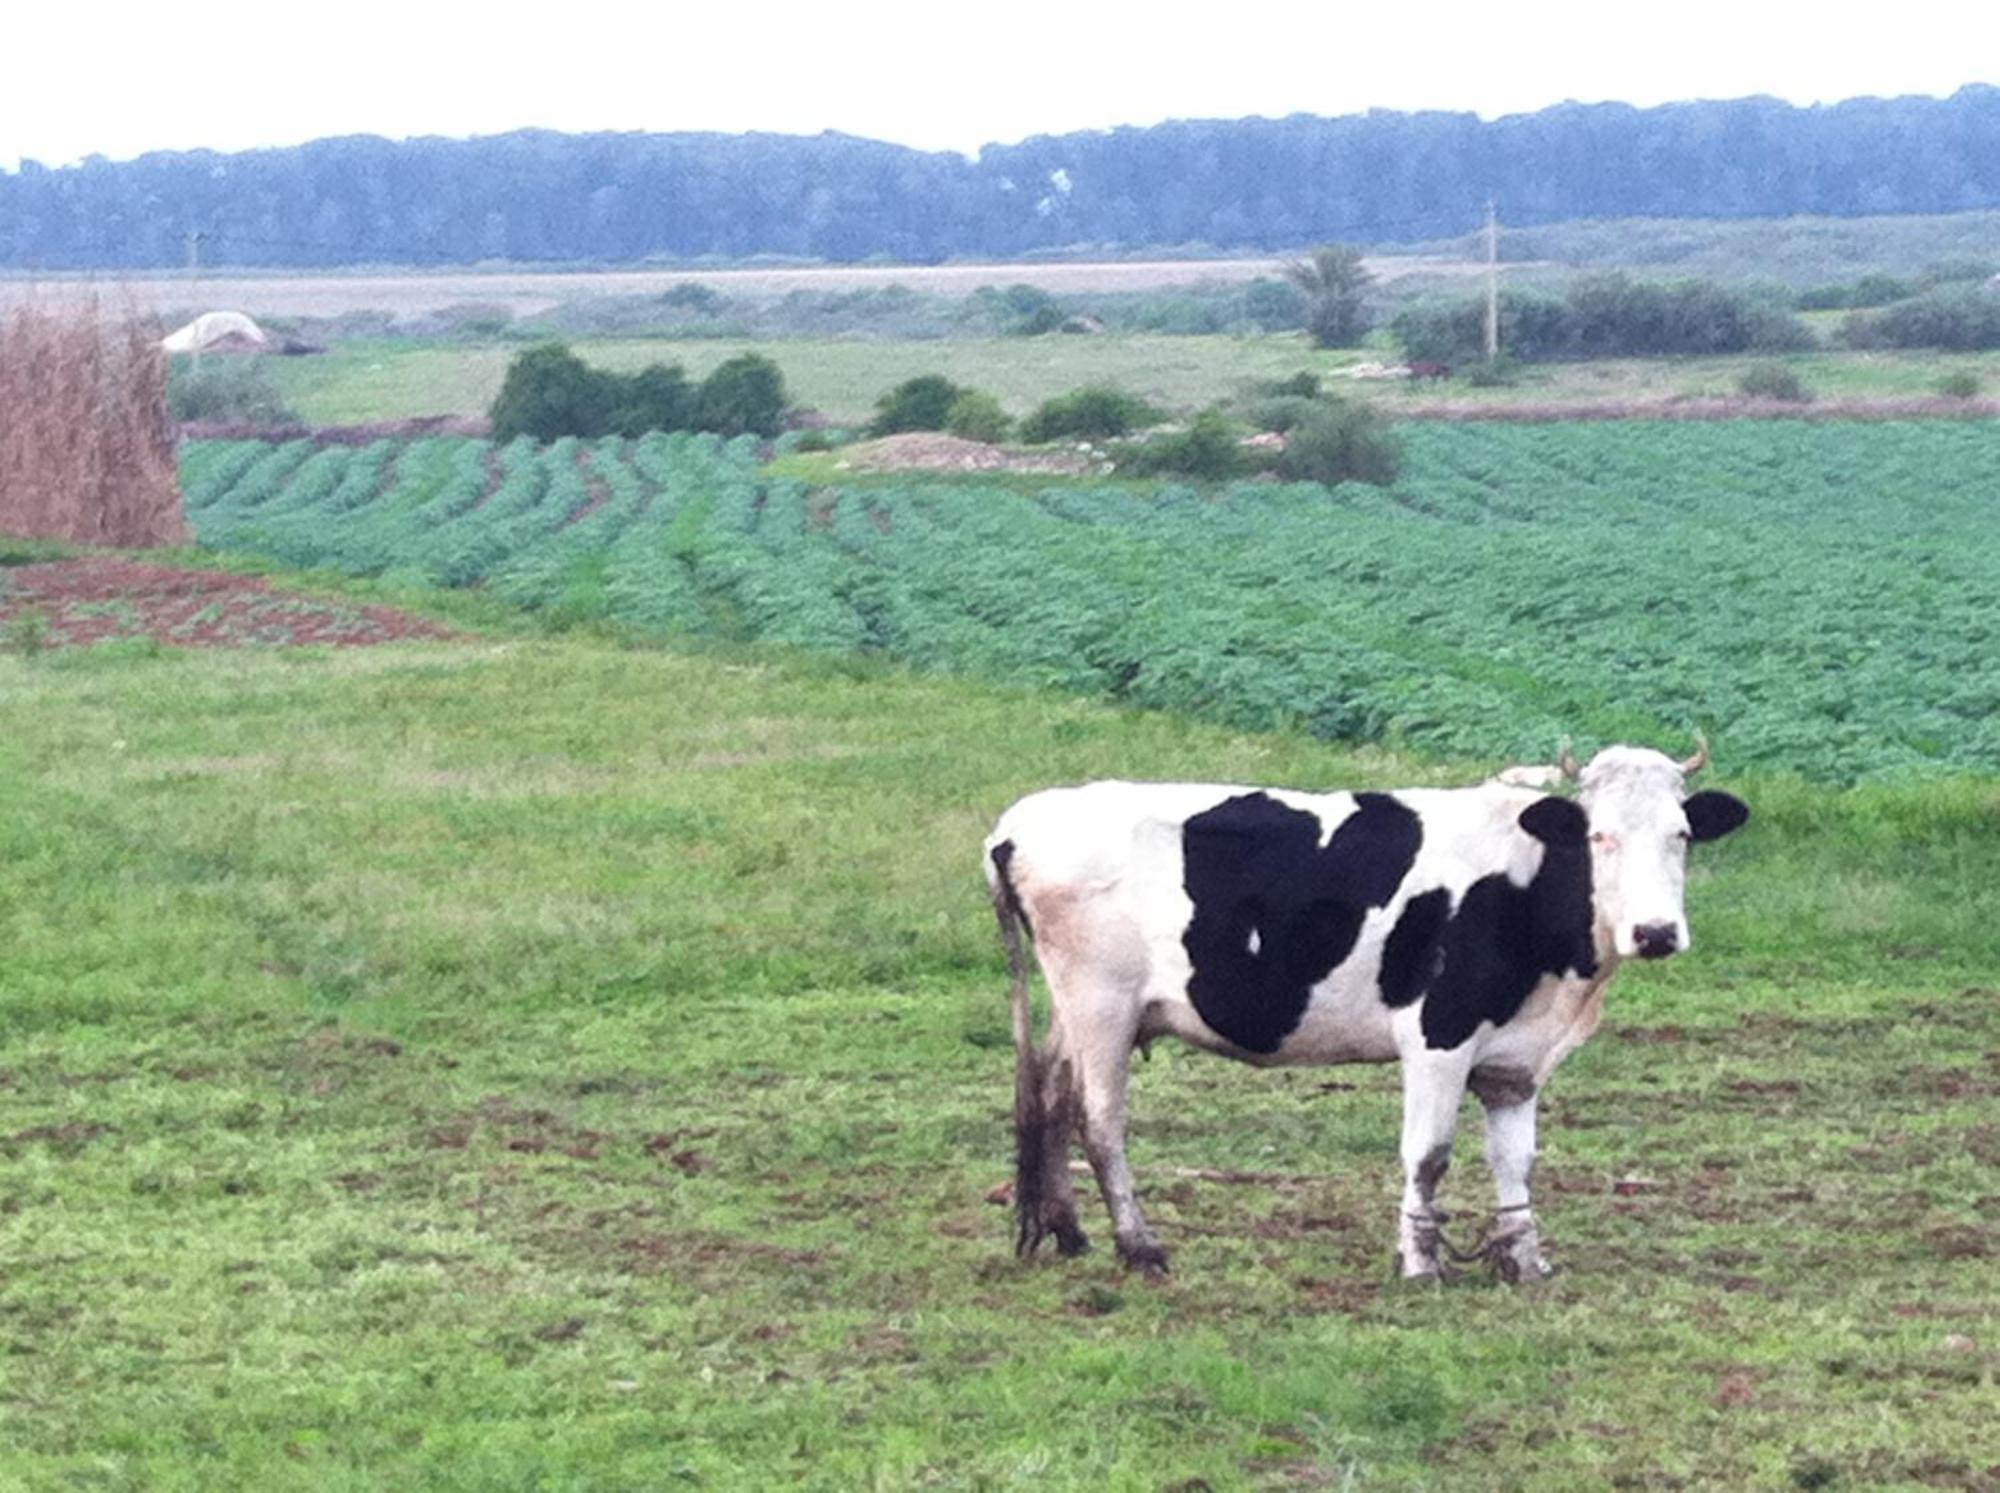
(1637, 821)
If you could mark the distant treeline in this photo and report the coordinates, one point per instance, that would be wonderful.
(1242, 184)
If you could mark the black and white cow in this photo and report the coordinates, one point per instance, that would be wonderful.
(1466, 933)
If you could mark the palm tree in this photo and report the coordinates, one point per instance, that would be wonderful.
(1335, 282)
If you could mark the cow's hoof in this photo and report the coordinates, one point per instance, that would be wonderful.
(1421, 1272)
(1518, 1261)
(1143, 1255)
(1071, 1241)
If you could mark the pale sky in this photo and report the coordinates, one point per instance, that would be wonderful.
(119, 79)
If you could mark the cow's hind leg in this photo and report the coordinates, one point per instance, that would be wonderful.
(1513, 1246)
(1101, 1049)
(1045, 1123)
(1045, 1119)
(1433, 1086)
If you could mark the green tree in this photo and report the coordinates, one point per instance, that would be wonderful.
(1335, 283)
(920, 403)
(549, 392)
(745, 395)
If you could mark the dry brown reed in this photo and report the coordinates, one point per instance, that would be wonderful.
(86, 450)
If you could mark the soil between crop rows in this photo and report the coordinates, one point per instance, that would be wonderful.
(98, 598)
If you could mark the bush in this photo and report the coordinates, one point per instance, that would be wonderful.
(922, 403)
(1604, 316)
(1773, 381)
(1302, 385)
(976, 416)
(549, 392)
(1341, 442)
(1093, 413)
(1868, 291)
(745, 395)
(1958, 318)
(658, 397)
(1208, 449)
(1963, 384)
(1496, 374)
(1280, 413)
(232, 390)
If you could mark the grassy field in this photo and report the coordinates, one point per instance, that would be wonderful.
(531, 1063)
(356, 382)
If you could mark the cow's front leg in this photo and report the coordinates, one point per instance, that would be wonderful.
(1433, 1086)
(1513, 1245)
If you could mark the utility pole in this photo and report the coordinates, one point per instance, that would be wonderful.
(194, 237)
(1492, 282)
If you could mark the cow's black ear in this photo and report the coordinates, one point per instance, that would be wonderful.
(1711, 815)
(1557, 821)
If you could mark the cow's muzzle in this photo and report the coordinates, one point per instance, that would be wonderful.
(1656, 940)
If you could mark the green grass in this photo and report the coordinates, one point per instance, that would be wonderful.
(357, 382)
(547, 1064)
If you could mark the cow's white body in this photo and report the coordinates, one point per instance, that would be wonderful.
(1149, 905)
(1110, 851)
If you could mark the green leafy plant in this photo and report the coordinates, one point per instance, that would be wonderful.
(1094, 413)
(921, 403)
(977, 416)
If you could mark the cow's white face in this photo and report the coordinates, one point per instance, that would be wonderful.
(1642, 820)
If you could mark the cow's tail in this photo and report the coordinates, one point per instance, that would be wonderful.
(1031, 1108)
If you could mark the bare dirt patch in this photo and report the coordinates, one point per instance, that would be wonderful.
(930, 451)
(99, 598)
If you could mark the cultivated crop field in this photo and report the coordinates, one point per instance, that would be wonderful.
(1824, 598)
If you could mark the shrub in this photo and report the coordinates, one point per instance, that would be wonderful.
(1773, 381)
(1274, 305)
(1963, 384)
(922, 403)
(1208, 449)
(1301, 385)
(1494, 374)
(745, 395)
(1095, 412)
(1341, 442)
(1958, 318)
(657, 397)
(1280, 413)
(549, 392)
(976, 416)
(230, 390)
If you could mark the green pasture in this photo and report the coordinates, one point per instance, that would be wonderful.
(358, 382)
(555, 1063)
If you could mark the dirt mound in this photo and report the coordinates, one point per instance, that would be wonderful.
(93, 599)
(933, 451)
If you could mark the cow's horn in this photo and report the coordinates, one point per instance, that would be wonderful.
(1567, 761)
(1692, 765)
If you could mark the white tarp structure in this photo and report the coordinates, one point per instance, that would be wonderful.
(216, 332)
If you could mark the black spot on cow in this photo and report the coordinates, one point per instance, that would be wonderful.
(1410, 954)
(1274, 913)
(1504, 938)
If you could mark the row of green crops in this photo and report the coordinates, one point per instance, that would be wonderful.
(1823, 597)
